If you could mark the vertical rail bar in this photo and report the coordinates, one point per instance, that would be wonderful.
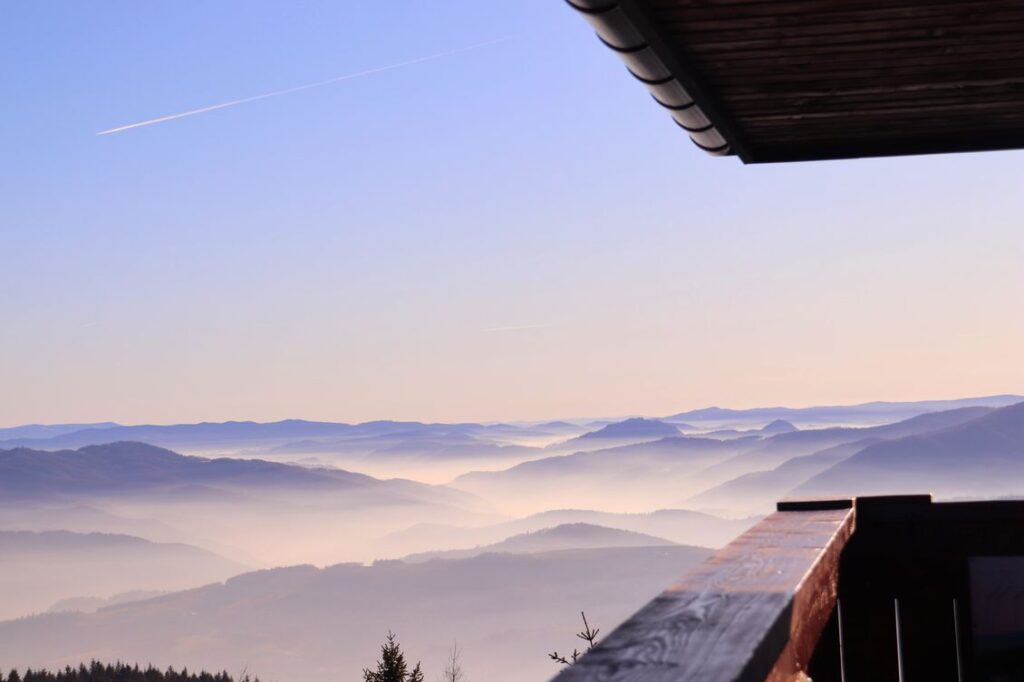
(899, 640)
(956, 635)
(842, 654)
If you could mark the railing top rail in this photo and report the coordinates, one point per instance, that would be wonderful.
(752, 612)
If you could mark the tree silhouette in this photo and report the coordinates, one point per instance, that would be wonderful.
(120, 672)
(453, 667)
(587, 635)
(392, 666)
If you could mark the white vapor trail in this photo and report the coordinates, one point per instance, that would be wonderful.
(307, 86)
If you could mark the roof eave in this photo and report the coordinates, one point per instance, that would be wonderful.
(624, 28)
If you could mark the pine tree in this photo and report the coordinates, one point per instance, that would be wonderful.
(120, 672)
(392, 666)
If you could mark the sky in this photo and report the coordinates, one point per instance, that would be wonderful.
(510, 232)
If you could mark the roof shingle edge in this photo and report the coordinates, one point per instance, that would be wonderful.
(619, 33)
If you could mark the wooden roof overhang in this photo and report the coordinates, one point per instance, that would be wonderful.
(799, 80)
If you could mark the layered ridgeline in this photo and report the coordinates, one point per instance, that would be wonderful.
(438, 452)
(252, 511)
(633, 430)
(382, 448)
(565, 536)
(873, 413)
(40, 569)
(506, 611)
(679, 526)
(586, 536)
(367, 436)
(772, 472)
(625, 478)
(981, 458)
(746, 475)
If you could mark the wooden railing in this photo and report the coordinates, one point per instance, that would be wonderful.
(873, 589)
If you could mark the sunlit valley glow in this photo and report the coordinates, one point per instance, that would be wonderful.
(324, 320)
(269, 544)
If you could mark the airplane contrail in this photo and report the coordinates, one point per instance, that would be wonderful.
(307, 86)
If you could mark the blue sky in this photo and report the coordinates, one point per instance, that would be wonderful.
(513, 232)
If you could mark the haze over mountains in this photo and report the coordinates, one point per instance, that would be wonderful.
(40, 569)
(131, 468)
(680, 526)
(263, 513)
(321, 625)
(878, 412)
(564, 537)
(982, 457)
(496, 535)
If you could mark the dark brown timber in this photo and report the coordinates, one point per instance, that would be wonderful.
(752, 612)
(770, 606)
(790, 80)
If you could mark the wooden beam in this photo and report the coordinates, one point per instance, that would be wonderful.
(753, 611)
(801, 80)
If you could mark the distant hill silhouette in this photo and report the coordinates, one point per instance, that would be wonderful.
(562, 537)
(981, 458)
(136, 467)
(264, 513)
(42, 568)
(90, 604)
(668, 471)
(325, 625)
(299, 433)
(679, 526)
(785, 446)
(632, 477)
(877, 411)
(637, 427)
(778, 426)
(757, 492)
(773, 428)
(43, 431)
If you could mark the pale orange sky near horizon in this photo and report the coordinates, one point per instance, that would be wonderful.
(542, 245)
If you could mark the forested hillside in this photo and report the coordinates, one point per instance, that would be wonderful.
(119, 672)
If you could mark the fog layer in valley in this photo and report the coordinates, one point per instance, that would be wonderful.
(292, 547)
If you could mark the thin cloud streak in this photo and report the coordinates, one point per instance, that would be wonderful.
(307, 86)
(514, 328)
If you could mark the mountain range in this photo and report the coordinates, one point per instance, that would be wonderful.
(42, 568)
(740, 476)
(506, 611)
(562, 537)
(256, 512)
(877, 411)
(507, 532)
(983, 457)
(680, 526)
(134, 468)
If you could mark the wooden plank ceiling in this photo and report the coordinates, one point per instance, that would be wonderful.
(787, 80)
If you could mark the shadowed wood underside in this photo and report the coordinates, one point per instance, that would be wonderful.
(788, 80)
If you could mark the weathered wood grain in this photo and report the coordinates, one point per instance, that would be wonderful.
(752, 612)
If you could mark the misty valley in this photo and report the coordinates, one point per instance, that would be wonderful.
(291, 549)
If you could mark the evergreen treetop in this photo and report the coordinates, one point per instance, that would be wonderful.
(392, 666)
